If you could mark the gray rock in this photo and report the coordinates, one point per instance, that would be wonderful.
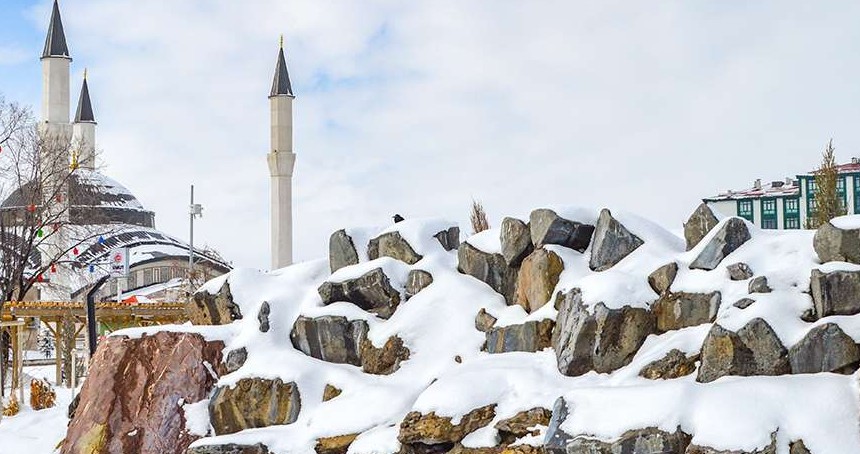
(611, 242)
(371, 291)
(698, 225)
(798, 447)
(516, 241)
(341, 251)
(770, 357)
(723, 353)
(547, 227)
(744, 303)
(392, 245)
(835, 293)
(484, 321)
(449, 239)
(416, 281)
(825, 348)
(674, 365)
(527, 337)
(604, 340)
(662, 278)
(330, 338)
(263, 317)
(229, 448)
(682, 310)
(759, 285)
(490, 269)
(769, 449)
(253, 402)
(640, 441)
(739, 271)
(556, 440)
(218, 309)
(236, 359)
(753, 350)
(837, 245)
(732, 235)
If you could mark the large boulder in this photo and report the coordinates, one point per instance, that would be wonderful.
(128, 402)
(527, 337)
(599, 339)
(698, 225)
(537, 278)
(516, 241)
(371, 291)
(825, 348)
(769, 449)
(662, 278)
(682, 310)
(490, 269)
(611, 243)
(229, 448)
(330, 338)
(213, 309)
(253, 402)
(833, 244)
(639, 441)
(416, 281)
(392, 245)
(753, 350)
(341, 251)
(835, 293)
(431, 429)
(547, 227)
(338, 444)
(732, 235)
(674, 365)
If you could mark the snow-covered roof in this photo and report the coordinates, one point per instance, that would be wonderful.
(772, 189)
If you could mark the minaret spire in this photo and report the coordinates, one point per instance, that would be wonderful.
(55, 42)
(85, 107)
(84, 129)
(281, 160)
(281, 85)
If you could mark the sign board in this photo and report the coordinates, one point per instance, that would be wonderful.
(119, 262)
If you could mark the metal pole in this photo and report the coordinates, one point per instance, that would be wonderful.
(191, 241)
(91, 313)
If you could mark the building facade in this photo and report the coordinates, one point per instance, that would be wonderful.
(787, 204)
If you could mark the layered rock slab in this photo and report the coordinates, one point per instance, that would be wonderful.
(136, 411)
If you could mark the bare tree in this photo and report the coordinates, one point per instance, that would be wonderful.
(828, 202)
(37, 239)
(478, 217)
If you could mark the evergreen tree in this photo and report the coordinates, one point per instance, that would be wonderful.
(828, 203)
(46, 343)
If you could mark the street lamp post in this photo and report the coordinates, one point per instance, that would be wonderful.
(195, 210)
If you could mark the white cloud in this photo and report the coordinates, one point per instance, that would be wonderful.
(416, 107)
(11, 54)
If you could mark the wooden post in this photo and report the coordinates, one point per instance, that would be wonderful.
(16, 352)
(58, 349)
(20, 365)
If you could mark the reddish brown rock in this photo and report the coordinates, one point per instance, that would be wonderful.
(130, 403)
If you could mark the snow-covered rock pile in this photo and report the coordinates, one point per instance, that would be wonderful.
(574, 331)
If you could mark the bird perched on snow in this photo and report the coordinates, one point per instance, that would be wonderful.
(398, 218)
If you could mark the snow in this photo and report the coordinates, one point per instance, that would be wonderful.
(849, 222)
(197, 417)
(32, 431)
(437, 325)
(488, 241)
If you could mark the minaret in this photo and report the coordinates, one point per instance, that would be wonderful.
(281, 162)
(55, 79)
(85, 129)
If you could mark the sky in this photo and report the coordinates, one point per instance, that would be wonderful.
(418, 108)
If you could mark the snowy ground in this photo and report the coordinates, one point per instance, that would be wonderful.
(37, 432)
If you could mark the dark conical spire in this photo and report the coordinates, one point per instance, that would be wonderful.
(281, 85)
(55, 42)
(85, 107)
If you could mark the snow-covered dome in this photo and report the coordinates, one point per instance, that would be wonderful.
(94, 199)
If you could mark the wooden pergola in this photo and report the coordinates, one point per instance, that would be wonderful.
(16, 329)
(74, 313)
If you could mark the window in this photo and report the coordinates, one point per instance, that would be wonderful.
(810, 186)
(840, 185)
(768, 207)
(792, 223)
(745, 209)
(791, 206)
(768, 223)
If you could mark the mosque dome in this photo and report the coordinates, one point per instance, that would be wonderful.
(94, 199)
